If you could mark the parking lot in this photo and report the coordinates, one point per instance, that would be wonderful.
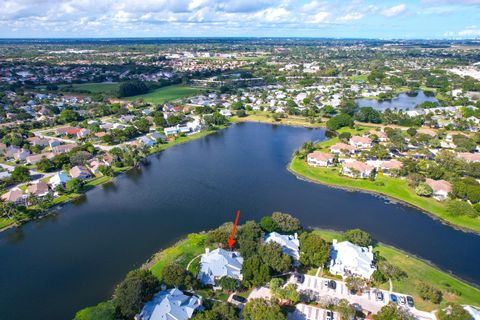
(366, 301)
(304, 311)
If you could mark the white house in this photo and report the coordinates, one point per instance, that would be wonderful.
(59, 179)
(356, 169)
(440, 188)
(320, 159)
(219, 263)
(170, 305)
(290, 244)
(360, 142)
(170, 131)
(348, 259)
(225, 113)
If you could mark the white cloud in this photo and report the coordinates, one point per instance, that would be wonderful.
(394, 11)
(471, 31)
(351, 17)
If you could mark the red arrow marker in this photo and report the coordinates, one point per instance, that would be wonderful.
(231, 240)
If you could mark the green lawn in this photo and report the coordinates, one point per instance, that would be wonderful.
(362, 77)
(168, 93)
(105, 88)
(392, 187)
(266, 117)
(4, 223)
(418, 271)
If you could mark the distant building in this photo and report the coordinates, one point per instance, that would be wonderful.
(348, 259)
(357, 169)
(220, 263)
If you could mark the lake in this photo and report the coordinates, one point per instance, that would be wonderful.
(51, 268)
(402, 102)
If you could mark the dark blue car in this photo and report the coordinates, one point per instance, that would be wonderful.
(393, 298)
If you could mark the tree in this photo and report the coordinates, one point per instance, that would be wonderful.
(80, 158)
(255, 272)
(21, 174)
(358, 237)
(45, 165)
(73, 186)
(355, 284)
(316, 251)
(288, 292)
(138, 287)
(286, 222)
(423, 190)
(220, 235)
(458, 208)
(273, 256)
(68, 115)
(267, 224)
(454, 312)
(219, 311)
(345, 136)
(392, 312)
(340, 121)
(177, 276)
(228, 284)
(430, 293)
(368, 114)
(345, 309)
(260, 309)
(389, 270)
(132, 88)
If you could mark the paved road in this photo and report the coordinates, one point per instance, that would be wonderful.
(365, 301)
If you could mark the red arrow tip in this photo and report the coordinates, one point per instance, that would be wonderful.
(230, 242)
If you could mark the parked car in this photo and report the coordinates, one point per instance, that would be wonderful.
(379, 295)
(299, 278)
(403, 301)
(410, 301)
(329, 315)
(239, 299)
(393, 298)
(325, 283)
(332, 284)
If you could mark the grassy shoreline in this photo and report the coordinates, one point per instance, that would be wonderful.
(264, 117)
(394, 188)
(419, 270)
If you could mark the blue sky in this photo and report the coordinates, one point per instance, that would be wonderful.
(432, 19)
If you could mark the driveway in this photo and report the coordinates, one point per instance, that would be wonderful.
(366, 301)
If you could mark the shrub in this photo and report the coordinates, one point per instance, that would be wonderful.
(427, 292)
(459, 208)
(423, 190)
(358, 237)
(285, 222)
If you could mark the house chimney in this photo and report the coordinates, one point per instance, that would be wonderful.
(295, 235)
(207, 250)
(334, 242)
(370, 248)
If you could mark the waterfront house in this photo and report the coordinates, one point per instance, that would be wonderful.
(219, 263)
(225, 113)
(59, 179)
(15, 195)
(146, 141)
(441, 188)
(170, 304)
(388, 167)
(342, 148)
(170, 131)
(360, 142)
(290, 243)
(80, 173)
(38, 189)
(356, 169)
(320, 159)
(348, 259)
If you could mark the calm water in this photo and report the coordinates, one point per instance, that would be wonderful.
(401, 102)
(52, 268)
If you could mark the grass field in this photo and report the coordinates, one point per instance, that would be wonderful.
(362, 77)
(168, 93)
(109, 88)
(418, 271)
(266, 117)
